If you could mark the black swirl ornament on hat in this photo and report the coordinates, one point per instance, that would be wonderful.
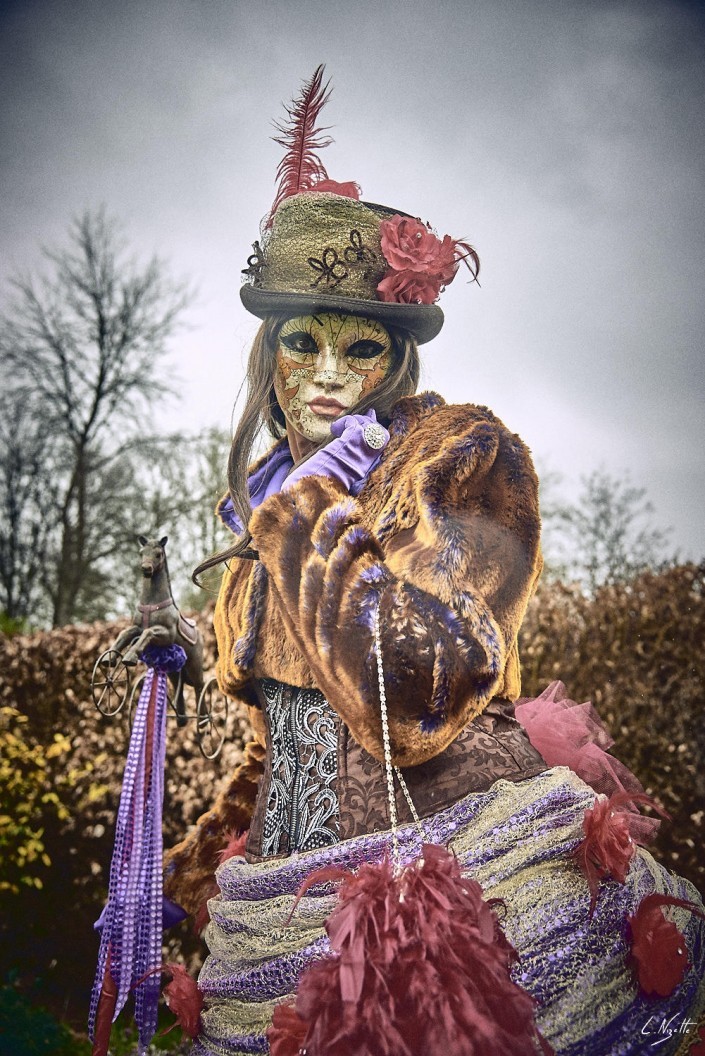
(323, 249)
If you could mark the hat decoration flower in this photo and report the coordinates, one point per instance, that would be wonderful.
(420, 263)
(322, 245)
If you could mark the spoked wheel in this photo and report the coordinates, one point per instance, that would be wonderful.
(136, 692)
(110, 682)
(211, 719)
(134, 697)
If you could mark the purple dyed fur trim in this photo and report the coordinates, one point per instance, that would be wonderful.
(440, 697)
(376, 574)
(401, 420)
(483, 629)
(351, 545)
(355, 535)
(451, 556)
(456, 462)
(329, 526)
(482, 636)
(482, 632)
(386, 523)
(246, 645)
(378, 577)
(164, 657)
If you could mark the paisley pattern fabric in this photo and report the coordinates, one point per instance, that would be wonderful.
(302, 812)
(320, 786)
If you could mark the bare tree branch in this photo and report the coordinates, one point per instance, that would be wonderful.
(83, 346)
(607, 537)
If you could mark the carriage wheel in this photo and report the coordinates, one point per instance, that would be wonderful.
(135, 696)
(110, 682)
(211, 719)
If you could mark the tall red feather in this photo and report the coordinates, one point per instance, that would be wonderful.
(301, 168)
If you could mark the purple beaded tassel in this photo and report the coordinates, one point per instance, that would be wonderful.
(131, 939)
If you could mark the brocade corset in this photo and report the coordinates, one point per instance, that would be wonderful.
(320, 786)
(302, 811)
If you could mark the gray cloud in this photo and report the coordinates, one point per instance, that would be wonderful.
(563, 138)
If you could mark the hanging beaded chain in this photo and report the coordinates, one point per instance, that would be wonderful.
(389, 769)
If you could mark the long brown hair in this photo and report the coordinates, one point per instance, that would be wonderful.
(262, 411)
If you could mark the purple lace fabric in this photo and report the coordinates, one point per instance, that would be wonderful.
(516, 840)
(131, 936)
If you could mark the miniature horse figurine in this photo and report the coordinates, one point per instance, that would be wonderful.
(159, 622)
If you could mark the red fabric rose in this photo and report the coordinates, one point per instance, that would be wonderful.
(447, 261)
(608, 846)
(409, 287)
(408, 245)
(288, 1031)
(184, 999)
(420, 263)
(698, 1049)
(659, 954)
(345, 190)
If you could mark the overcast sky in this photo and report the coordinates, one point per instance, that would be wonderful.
(564, 139)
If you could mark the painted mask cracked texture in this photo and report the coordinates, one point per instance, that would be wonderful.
(326, 363)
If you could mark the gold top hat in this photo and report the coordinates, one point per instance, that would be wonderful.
(323, 252)
(323, 249)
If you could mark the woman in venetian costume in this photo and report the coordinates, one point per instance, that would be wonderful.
(417, 877)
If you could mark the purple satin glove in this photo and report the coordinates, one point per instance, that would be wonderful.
(356, 448)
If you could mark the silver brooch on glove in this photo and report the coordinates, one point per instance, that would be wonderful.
(375, 436)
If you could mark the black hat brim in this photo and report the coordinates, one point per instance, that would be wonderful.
(422, 321)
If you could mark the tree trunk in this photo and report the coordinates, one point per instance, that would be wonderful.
(71, 566)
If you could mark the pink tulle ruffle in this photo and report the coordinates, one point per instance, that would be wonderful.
(573, 735)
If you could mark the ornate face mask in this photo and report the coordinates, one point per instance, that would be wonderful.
(326, 363)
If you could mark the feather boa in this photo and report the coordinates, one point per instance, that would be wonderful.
(419, 963)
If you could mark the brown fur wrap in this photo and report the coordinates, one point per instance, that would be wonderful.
(444, 537)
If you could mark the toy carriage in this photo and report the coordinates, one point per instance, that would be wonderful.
(158, 622)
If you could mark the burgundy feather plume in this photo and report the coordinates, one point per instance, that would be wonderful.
(301, 168)
(418, 964)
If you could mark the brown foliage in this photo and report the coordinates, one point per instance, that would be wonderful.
(637, 650)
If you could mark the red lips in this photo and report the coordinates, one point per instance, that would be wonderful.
(326, 407)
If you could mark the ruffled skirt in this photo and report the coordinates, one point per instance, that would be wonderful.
(516, 840)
